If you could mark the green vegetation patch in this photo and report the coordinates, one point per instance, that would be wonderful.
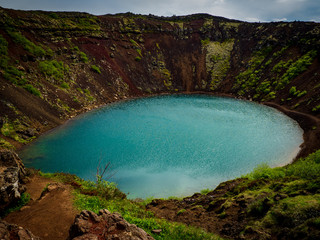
(217, 60)
(12, 73)
(6, 144)
(135, 213)
(282, 201)
(10, 129)
(102, 194)
(296, 68)
(84, 58)
(250, 78)
(31, 89)
(95, 69)
(297, 93)
(54, 70)
(3, 46)
(29, 46)
(249, 81)
(316, 108)
(305, 168)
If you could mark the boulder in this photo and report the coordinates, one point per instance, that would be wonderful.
(88, 225)
(12, 172)
(11, 231)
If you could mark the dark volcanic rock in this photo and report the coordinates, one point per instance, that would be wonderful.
(14, 232)
(12, 172)
(88, 225)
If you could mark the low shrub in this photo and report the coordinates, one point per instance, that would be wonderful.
(263, 171)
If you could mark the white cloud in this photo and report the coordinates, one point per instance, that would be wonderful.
(280, 19)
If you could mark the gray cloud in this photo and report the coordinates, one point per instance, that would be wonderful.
(248, 10)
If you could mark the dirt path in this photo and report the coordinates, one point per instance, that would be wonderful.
(50, 216)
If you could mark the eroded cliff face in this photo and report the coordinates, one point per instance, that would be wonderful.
(56, 65)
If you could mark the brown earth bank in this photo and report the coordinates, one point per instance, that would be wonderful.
(50, 213)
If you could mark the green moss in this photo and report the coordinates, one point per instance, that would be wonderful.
(54, 70)
(15, 76)
(259, 207)
(316, 108)
(64, 85)
(6, 144)
(280, 52)
(29, 46)
(264, 171)
(88, 95)
(30, 88)
(181, 211)
(75, 99)
(134, 43)
(296, 68)
(249, 80)
(95, 69)
(3, 46)
(294, 211)
(217, 61)
(83, 57)
(305, 168)
(63, 106)
(137, 58)
(3, 62)
(281, 66)
(80, 90)
(205, 191)
(11, 73)
(139, 52)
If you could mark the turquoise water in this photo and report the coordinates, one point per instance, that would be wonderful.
(169, 145)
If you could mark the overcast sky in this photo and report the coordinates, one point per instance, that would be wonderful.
(247, 10)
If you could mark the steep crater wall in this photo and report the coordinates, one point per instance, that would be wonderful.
(57, 65)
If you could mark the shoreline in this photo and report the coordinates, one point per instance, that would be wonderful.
(310, 126)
